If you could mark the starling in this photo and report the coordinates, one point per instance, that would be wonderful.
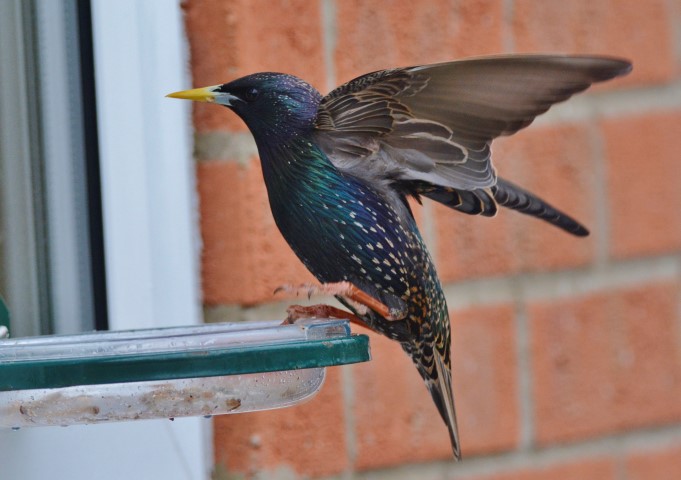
(339, 169)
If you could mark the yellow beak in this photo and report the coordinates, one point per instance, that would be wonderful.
(205, 94)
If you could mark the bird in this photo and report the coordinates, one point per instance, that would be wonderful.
(339, 170)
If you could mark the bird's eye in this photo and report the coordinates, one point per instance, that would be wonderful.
(251, 94)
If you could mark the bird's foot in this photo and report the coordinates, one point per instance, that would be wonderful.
(299, 312)
(346, 290)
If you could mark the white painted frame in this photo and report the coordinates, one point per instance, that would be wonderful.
(149, 207)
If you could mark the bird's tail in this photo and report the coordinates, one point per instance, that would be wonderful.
(484, 202)
(441, 391)
(439, 383)
(472, 202)
(512, 196)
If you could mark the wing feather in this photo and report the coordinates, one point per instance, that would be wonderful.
(435, 123)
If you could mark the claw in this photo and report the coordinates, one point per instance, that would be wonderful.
(299, 312)
(348, 291)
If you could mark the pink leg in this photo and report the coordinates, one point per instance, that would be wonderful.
(342, 289)
(298, 312)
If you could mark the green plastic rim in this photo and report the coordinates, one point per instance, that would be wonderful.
(66, 372)
(4, 313)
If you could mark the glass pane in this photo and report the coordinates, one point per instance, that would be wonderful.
(23, 252)
(49, 188)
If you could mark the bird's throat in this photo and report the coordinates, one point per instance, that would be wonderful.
(296, 167)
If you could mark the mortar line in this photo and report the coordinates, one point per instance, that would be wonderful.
(674, 10)
(329, 33)
(601, 192)
(236, 147)
(678, 315)
(633, 101)
(507, 36)
(489, 291)
(348, 382)
(564, 283)
(524, 370)
(610, 446)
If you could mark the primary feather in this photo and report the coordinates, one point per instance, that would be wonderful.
(436, 122)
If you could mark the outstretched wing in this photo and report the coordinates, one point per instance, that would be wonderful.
(435, 123)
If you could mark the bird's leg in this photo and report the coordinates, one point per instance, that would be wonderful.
(346, 290)
(299, 312)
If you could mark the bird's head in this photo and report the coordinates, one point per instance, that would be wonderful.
(271, 104)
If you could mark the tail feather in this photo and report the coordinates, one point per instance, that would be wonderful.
(484, 202)
(512, 196)
(441, 391)
(438, 379)
(472, 202)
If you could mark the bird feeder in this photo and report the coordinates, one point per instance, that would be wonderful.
(171, 372)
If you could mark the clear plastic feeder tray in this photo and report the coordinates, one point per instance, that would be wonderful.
(170, 372)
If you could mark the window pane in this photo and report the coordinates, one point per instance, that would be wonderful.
(50, 180)
(24, 280)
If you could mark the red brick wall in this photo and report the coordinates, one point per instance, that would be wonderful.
(567, 352)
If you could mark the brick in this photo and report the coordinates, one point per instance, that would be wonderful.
(486, 379)
(588, 469)
(554, 162)
(244, 257)
(660, 464)
(639, 31)
(376, 35)
(396, 420)
(230, 39)
(307, 439)
(643, 174)
(474, 247)
(606, 362)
